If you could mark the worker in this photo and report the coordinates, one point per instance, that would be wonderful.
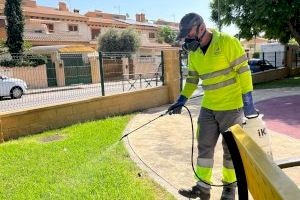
(219, 60)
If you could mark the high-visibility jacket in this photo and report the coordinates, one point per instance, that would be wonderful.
(224, 72)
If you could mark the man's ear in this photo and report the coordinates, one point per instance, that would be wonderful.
(202, 27)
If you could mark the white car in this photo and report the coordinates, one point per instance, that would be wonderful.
(12, 87)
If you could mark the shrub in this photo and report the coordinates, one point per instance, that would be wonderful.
(167, 35)
(255, 55)
(116, 41)
(26, 61)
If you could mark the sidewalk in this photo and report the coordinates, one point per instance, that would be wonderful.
(56, 89)
(165, 144)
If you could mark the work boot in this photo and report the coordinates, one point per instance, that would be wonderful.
(228, 192)
(196, 191)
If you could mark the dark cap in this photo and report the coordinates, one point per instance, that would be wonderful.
(187, 23)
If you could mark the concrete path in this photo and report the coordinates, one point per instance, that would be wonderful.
(163, 148)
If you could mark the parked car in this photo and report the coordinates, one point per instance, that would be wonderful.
(258, 65)
(12, 87)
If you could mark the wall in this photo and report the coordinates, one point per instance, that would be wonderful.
(35, 77)
(270, 75)
(95, 69)
(83, 33)
(146, 65)
(25, 122)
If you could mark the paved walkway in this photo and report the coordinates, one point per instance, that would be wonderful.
(164, 146)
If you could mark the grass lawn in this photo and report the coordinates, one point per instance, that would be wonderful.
(287, 82)
(86, 163)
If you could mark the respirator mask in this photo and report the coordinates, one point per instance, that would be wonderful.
(192, 44)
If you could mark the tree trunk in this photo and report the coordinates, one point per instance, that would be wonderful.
(294, 31)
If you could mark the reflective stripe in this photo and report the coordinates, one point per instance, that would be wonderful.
(204, 185)
(215, 74)
(243, 69)
(228, 164)
(225, 71)
(228, 175)
(203, 173)
(192, 80)
(219, 85)
(193, 73)
(239, 60)
(205, 162)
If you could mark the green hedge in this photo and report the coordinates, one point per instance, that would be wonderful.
(27, 61)
(256, 55)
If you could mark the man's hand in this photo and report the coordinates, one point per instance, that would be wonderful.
(177, 106)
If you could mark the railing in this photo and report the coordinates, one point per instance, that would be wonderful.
(127, 71)
(275, 58)
(63, 77)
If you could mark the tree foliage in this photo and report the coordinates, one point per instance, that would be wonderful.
(119, 41)
(276, 19)
(129, 40)
(15, 25)
(166, 34)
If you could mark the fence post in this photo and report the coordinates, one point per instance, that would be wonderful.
(180, 69)
(275, 60)
(172, 76)
(140, 76)
(296, 58)
(101, 72)
(162, 68)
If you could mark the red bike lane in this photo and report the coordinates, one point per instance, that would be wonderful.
(282, 114)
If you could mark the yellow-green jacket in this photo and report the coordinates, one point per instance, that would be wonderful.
(224, 72)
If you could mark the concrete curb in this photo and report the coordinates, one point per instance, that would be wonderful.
(54, 90)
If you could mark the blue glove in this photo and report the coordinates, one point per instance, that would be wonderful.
(177, 106)
(249, 110)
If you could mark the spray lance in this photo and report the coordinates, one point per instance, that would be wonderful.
(170, 112)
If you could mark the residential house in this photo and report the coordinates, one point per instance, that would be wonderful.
(254, 44)
(60, 26)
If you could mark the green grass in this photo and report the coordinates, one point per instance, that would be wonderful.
(287, 82)
(87, 164)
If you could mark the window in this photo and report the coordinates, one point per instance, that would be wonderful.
(151, 35)
(50, 28)
(95, 33)
(2, 23)
(73, 27)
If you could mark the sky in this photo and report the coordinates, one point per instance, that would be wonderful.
(169, 10)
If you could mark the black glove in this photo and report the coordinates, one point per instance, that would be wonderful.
(177, 106)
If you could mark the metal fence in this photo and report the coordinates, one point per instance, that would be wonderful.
(127, 72)
(277, 58)
(36, 80)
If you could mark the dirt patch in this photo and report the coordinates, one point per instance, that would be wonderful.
(52, 138)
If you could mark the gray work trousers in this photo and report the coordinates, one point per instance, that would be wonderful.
(210, 125)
